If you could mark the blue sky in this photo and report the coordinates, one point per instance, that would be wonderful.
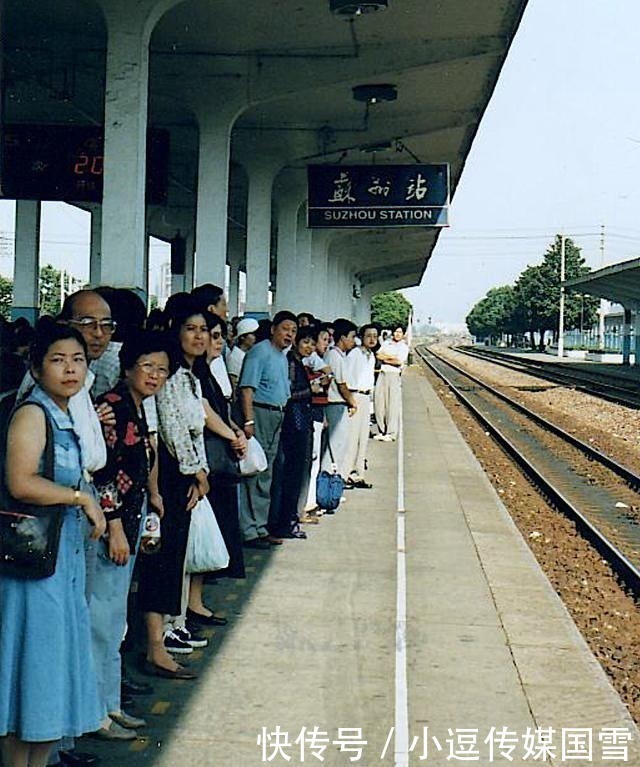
(558, 149)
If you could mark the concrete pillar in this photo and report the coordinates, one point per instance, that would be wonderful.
(234, 285)
(302, 284)
(363, 306)
(95, 246)
(26, 282)
(636, 331)
(213, 193)
(626, 338)
(190, 264)
(287, 293)
(261, 177)
(323, 294)
(125, 144)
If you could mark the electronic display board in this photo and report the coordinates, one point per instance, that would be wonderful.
(66, 162)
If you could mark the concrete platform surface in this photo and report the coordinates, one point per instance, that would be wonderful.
(491, 653)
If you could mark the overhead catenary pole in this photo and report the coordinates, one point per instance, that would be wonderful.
(561, 322)
(603, 302)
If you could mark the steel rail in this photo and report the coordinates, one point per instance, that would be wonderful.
(624, 569)
(620, 395)
(591, 452)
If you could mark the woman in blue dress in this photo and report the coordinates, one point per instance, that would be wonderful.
(47, 679)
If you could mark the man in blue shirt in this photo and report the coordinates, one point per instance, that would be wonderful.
(263, 391)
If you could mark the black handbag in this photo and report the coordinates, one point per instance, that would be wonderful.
(221, 458)
(29, 534)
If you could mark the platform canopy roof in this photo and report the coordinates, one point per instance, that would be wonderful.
(619, 283)
(287, 69)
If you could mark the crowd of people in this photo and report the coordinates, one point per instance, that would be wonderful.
(142, 410)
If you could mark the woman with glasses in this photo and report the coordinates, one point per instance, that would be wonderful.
(182, 477)
(125, 488)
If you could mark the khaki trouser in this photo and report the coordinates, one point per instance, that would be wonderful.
(354, 461)
(387, 401)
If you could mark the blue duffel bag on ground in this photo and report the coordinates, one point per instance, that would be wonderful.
(329, 487)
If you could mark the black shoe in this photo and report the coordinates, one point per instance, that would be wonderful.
(257, 543)
(129, 687)
(205, 620)
(77, 759)
(300, 534)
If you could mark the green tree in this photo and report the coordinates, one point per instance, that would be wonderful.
(538, 293)
(49, 290)
(494, 314)
(6, 296)
(390, 309)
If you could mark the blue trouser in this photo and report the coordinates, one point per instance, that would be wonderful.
(108, 610)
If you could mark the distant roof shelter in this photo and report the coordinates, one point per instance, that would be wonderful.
(619, 283)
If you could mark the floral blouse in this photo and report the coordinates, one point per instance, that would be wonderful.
(181, 419)
(122, 483)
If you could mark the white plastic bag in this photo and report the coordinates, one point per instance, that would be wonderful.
(255, 460)
(206, 550)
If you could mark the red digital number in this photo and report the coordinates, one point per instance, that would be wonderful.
(97, 165)
(81, 166)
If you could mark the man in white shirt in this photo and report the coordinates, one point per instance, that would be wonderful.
(393, 355)
(341, 402)
(361, 363)
(245, 339)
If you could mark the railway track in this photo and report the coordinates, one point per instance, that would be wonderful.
(597, 493)
(621, 391)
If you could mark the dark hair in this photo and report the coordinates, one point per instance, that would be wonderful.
(283, 316)
(368, 326)
(142, 342)
(342, 327)
(399, 325)
(47, 333)
(308, 315)
(305, 331)
(127, 309)
(174, 306)
(264, 330)
(213, 321)
(156, 320)
(207, 294)
(316, 329)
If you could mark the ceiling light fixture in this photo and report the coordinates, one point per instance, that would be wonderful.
(375, 93)
(356, 7)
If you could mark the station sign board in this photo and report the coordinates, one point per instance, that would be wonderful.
(66, 162)
(373, 196)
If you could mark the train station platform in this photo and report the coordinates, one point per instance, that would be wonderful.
(318, 636)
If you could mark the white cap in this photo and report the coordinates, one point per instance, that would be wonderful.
(246, 325)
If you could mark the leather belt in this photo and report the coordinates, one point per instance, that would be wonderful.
(275, 408)
(360, 391)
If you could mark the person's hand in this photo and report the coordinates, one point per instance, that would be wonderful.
(249, 431)
(106, 414)
(157, 504)
(118, 545)
(352, 410)
(239, 444)
(94, 514)
(193, 495)
(202, 480)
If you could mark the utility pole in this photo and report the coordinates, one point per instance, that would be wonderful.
(561, 323)
(602, 310)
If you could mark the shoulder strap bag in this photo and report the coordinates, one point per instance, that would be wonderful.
(29, 534)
